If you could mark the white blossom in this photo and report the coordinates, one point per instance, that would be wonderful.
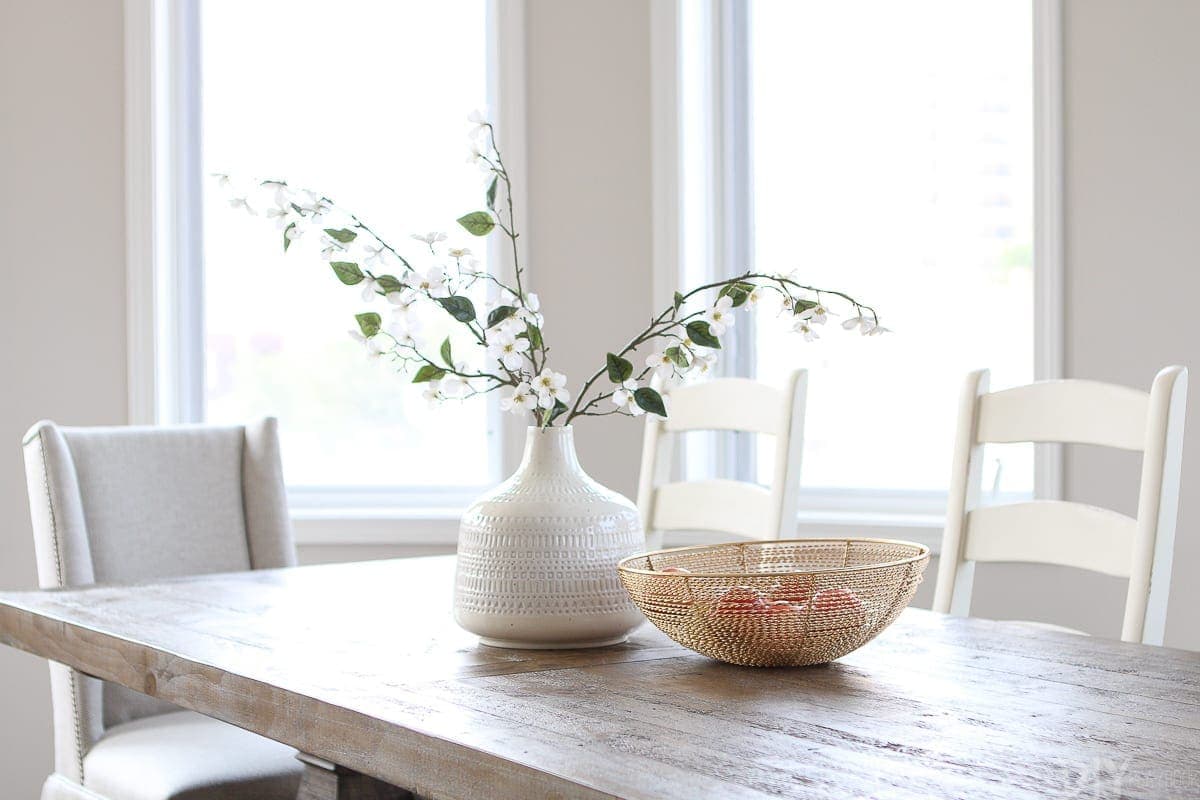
(818, 314)
(551, 387)
(405, 322)
(661, 363)
(377, 254)
(432, 281)
(282, 215)
(863, 322)
(704, 361)
(755, 295)
(518, 399)
(458, 252)
(507, 349)
(479, 121)
(431, 238)
(453, 385)
(622, 398)
(720, 316)
(370, 288)
(240, 201)
(801, 326)
(433, 392)
(375, 345)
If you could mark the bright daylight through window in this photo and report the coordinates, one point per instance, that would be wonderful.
(892, 152)
(338, 99)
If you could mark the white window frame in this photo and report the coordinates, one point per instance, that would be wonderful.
(164, 262)
(910, 515)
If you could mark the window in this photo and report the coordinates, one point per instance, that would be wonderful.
(339, 100)
(887, 149)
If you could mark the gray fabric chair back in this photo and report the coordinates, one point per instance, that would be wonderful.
(125, 504)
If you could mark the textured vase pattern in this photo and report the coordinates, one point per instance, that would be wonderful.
(537, 556)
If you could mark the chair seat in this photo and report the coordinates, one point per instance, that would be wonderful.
(188, 756)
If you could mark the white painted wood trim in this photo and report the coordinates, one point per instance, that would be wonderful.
(506, 94)
(731, 507)
(1052, 532)
(1158, 509)
(952, 595)
(1073, 411)
(789, 454)
(726, 404)
(1048, 236)
(140, 209)
(418, 529)
(665, 152)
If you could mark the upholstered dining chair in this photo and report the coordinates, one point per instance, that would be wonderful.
(725, 506)
(122, 504)
(1063, 533)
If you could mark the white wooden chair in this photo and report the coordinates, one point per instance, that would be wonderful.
(725, 506)
(126, 504)
(1063, 533)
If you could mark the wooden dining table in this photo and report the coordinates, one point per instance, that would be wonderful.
(361, 668)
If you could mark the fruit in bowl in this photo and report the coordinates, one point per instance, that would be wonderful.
(777, 602)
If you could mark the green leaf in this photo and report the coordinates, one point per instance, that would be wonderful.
(427, 373)
(347, 272)
(534, 334)
(678, 301)
(618, 368)
(699, 333)
(737, 292)
(491, 193)
(800, 306)
(286, 241)
(499, 314)
(458, 307)
(558, 410)
(650, 400)
(677, 356)
(343, 235)
(446, 353)
(368, 323)
(477, 223)
(389, 283)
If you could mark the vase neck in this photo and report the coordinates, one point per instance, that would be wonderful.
(549, 449)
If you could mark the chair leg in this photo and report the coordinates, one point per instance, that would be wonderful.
(325, 781)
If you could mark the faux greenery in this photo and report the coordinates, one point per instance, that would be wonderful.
(502, 346)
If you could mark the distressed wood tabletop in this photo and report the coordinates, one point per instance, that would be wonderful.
(362, 665)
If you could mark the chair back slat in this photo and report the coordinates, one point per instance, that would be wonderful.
(1067, 411)
(1052, 532)
(742, 509)
(728, 404)
(733, 507)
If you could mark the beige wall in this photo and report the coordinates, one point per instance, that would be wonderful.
(589, 191)
(62, 305)
(1131, 236)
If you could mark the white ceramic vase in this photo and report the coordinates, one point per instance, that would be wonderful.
(537, 555)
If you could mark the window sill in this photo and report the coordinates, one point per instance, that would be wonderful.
(438, 527)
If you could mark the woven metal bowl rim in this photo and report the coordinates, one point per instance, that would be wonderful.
(922, 553)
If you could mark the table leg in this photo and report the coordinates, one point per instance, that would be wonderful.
(325, 781)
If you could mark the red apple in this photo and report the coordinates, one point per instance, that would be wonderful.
(836, 611)
(740, 601)
(793, 589)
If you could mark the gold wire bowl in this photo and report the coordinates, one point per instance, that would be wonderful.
(776, 603)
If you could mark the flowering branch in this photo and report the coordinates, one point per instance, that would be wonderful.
(508, 351)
